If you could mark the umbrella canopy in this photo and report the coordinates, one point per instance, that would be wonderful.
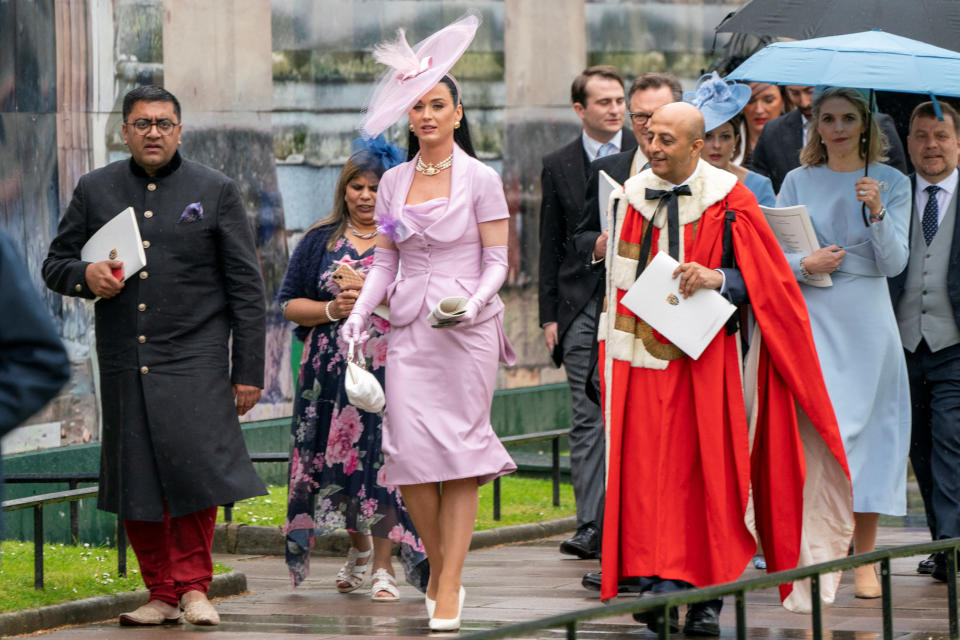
(933, 21)
(869, 60)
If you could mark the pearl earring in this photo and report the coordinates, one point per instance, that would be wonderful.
(456, 125)
(411, 127)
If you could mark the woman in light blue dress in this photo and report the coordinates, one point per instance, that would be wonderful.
(853, 322)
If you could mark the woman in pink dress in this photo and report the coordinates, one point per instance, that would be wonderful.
(443, 219)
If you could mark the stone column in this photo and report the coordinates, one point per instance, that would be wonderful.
(217, 61)
(544, 49)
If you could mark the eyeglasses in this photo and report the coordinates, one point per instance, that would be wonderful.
(142, 126)
(639, 118)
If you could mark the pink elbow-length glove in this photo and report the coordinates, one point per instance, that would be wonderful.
(381, 274)
(491, 279)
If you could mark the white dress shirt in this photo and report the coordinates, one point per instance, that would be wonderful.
(947, 187)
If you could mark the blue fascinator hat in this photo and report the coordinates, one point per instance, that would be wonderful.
(375, 154)
(717, 99)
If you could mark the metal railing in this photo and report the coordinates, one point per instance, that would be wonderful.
(74, 494)
(37, 503)
(526, 438)
(662, 603)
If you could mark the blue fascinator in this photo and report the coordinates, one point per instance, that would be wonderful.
(717, 99)
(376, 154)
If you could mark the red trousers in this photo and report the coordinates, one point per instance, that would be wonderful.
(174, 555)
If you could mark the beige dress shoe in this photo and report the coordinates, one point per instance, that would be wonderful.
(198, 610)
(152, 613)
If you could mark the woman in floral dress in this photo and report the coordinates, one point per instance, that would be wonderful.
(335, 464)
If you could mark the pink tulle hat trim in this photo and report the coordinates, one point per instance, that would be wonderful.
(414, 71)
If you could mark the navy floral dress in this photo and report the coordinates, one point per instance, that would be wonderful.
(336, 458)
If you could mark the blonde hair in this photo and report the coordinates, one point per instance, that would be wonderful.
(814, 153)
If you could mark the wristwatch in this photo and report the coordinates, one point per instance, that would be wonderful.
(877, 217)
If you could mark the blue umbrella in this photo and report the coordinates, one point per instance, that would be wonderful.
(871, 60)
(868, 60)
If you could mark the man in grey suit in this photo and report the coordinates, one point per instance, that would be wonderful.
(926, 298)
(777, 151)
(568, 290)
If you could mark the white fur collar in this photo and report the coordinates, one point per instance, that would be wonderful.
(709, 185)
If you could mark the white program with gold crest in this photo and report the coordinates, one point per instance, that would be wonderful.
(118, 239)
(689, 323)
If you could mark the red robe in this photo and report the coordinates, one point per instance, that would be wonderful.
(680, 465)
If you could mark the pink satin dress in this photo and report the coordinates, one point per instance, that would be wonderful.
(440, 382)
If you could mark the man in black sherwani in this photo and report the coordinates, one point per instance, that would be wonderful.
(171, 385)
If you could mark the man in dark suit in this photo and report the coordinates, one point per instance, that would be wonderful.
(648, 92)
(180, 347)
(777, 151)
(33, 362)
(926, 299)
(568, 289)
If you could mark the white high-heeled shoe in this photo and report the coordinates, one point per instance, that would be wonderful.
(449, 624)
(431, 605)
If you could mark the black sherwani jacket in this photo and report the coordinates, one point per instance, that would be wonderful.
(565, 283)
(777, 151)
(163, 343)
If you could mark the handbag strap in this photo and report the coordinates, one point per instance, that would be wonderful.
(355, 356)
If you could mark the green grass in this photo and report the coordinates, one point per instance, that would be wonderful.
(522, 500)
(70, 573)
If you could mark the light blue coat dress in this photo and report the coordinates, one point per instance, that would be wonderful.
(855, 329)
(762, 188)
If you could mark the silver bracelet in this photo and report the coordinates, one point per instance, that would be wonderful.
(326, 310)
(803, 270)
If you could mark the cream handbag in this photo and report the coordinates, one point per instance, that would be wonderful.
(363, 388)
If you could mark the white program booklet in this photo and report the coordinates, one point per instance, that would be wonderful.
(689, 323)
(794, 232)
(119, 239)
(605, 187)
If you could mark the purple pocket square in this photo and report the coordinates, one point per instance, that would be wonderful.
(192, 213)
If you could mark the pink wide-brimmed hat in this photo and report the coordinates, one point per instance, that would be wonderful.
(414, 71)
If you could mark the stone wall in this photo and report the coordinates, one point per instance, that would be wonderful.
(272, 94)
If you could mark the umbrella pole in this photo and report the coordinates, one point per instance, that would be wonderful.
(866, 162)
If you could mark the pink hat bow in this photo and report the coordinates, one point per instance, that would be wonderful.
(413, 71)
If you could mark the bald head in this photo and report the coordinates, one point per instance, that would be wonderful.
(674, 138)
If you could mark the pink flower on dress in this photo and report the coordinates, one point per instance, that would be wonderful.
(411, 540)
(300, 477)
(396, 534)
(376, 352)
(368, 507)
(345, 431)
(301, 521)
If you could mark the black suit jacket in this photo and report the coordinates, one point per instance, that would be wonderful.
(566, 284)
(897, 283)
(585, 235)
(777, 151)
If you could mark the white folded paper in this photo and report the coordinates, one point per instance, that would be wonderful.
(795, 233)
(605, 186)
(119, 239)
(447, 312)
(689, 323)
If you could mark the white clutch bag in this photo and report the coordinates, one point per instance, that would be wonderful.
(448, 311)
(363, 388)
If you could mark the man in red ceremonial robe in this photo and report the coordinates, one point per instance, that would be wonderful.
(689, 439)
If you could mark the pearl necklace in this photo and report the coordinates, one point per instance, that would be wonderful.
(365, 236)
(429, 169)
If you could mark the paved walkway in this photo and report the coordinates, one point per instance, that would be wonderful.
(521, 582)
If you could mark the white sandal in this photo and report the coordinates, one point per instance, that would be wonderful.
(382, 582)
(351, 573)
